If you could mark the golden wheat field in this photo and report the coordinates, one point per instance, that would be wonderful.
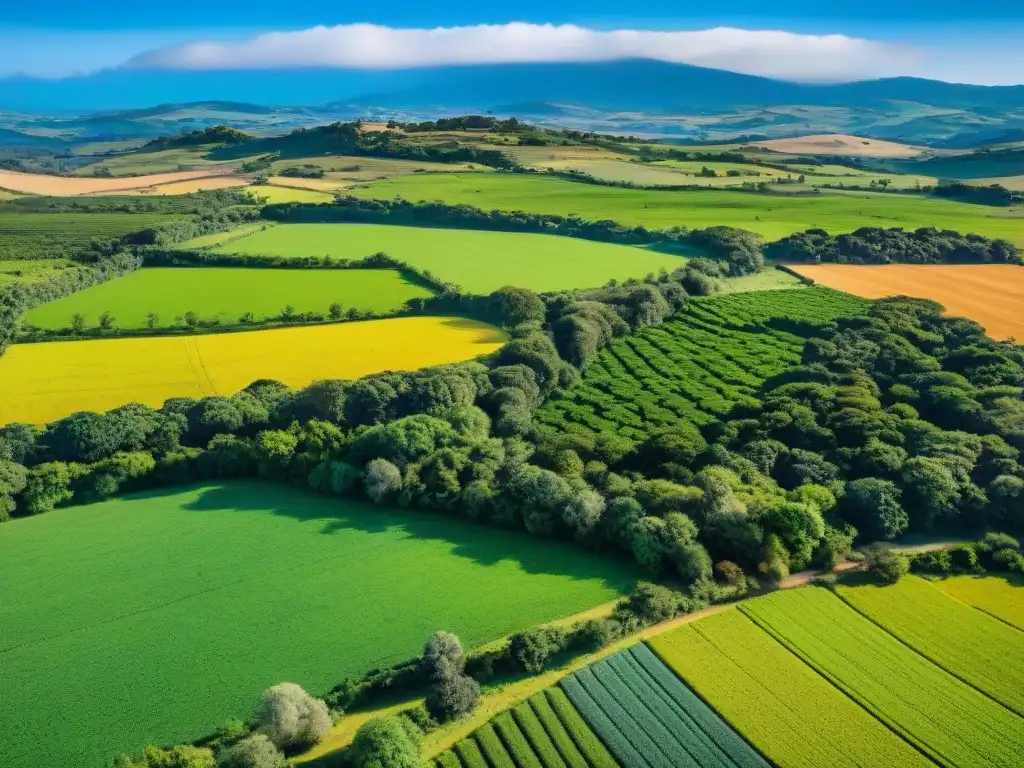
(63, 186)
(989, 294)
(40, 383)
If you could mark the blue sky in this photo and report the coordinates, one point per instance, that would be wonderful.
(977, 41)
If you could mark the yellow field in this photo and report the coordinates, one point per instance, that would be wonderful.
(839, 144)
(291, 194)
(989, 294)
(5, 195)
(998, 596)
(1016, 183)
(40, 383)
(61, 186)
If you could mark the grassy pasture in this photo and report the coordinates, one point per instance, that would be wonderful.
(769, 215)
(479, 262)
(998, 596)
(951, 722)
(990, 294)
(978, 649)
(355, 168)
(35, 235)
(782, 706)
(172, 610)
(226, 293)
(46, 381)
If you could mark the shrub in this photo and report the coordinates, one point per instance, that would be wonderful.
(1009, 560)
(453, 696)
(386, 742)
(937, 561)
(442, 656)
(964, 557)
(382, 480)
(889, 565)
(532, 649)
(256, 751)
(290, 717)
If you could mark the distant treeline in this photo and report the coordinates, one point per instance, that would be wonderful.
(217, 134)
(874, 245)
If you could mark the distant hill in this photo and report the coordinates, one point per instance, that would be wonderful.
(610, 85)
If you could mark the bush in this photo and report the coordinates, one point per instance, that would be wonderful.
(382, 480)
(386, 742)
(964, 557)
(256, 751)
(443, 656)
(1008, 560)
(887, 564)
(936, 561)
(453, 696)
(532, 649)
(291, 718)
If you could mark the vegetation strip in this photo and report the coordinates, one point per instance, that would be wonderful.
(999, 596)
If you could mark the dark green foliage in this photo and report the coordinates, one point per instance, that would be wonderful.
(873, 245)
(532, 649)
(217, 134)
(386, 742)
(887, 564)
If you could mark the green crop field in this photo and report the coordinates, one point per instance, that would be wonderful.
(479, 262)
(696, 367)
(770, 215)
(543, 732)
(946, 719)
(226, 293)
(782, 706)
(155, 617)
(218, 238)
(636, 704)
(998, 596)
(35, 235)
(980, 650)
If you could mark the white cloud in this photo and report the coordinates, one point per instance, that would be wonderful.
(369, 46)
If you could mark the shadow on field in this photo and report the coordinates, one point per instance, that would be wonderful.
(493, 335)
(482, 544)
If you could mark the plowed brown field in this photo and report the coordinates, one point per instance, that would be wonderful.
(990, 294)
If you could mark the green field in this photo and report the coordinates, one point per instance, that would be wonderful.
(696, 367)
(226, 293)
(635, 703)
(980, 650)
(999, 596)
(949, 721)
(477, 261)
(218, 238)
(37, 235)
(769, 215)
(782, 706)
(154, 618)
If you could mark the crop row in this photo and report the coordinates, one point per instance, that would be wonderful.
(981, 651)
(697, 367)
(998, 596)
(543, 732)
(779, 704)
(649, 719)
(946, 719)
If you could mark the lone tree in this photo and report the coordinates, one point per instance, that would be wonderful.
(381, 478)
(78, 322)
(452, 692)
(106, 321)
(335, 311)
(291, 718)
(387, 742)
(888, 564)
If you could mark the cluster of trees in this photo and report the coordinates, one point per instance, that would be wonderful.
(287, 720)
(874, 245)
(741, 249)
(992, 194)
(349, 139)
(217, 134)
(463, 123)
(304, 171)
